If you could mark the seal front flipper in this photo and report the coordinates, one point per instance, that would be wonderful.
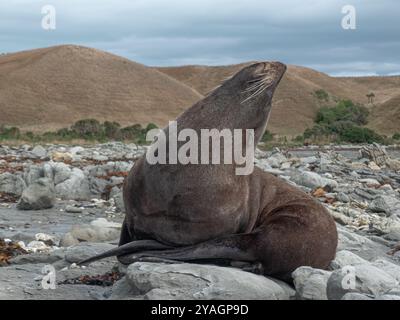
(131, 247)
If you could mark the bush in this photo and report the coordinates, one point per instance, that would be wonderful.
(111, 129)
(321, 94)
(87, 128)
(357, 134)
(342, 123)
(396, 136)
(345, 110)
(9, 133)
(267, 136)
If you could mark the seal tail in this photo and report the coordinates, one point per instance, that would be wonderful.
(128, 248)
(234, 247)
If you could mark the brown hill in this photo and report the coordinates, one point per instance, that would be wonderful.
(53, 87)
(50, 88)
(295, 103)
(385, 118)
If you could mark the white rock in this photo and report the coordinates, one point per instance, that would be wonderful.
(311, 283)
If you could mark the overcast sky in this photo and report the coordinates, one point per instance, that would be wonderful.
(213, 32)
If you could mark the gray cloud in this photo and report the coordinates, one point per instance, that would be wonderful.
(176, 32)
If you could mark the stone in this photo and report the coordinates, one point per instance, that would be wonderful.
(119, 202)
(312, 180)
(276, 160)
(370, 182)
(311, 283)
(68, 240)
(62, 172)
(11, 184)
(39, 151)
(186, 281)
(386, 204)
(360, 278)
(355, 296)
(85, 250)
(39, 195)
(73, 209)
(389, 267)
(346, 258)
(373, 166)
(74, 188)
(61, 157)
(309, 160)
(342, 197)
(360, 245)
(98, 230)
(76, 150)
(393, 164)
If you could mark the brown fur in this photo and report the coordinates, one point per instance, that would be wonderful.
(207, 212)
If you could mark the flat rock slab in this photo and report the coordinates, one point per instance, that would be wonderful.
(186, 281)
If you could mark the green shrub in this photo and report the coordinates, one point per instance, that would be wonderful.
(321, 94)
(396, 136)
(357, 134)
(87, 128)
(345, 110)
(111, 129)
(267, 136)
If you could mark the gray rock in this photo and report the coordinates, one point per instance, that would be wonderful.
(342, 197)
(74, 188)
(276, 160)
(98, 230)
(41, 257)
(195, 281)
(388, 297)
(76, 150)
(346, 258)
(12, 184)
(362, 246)
(62, 172)
(39, 195)
(355, 296)
(33, 173)
(39, 151)
(73, 209)
(386, 204)
(312, 180)
(389, 267)
(309, 160)
(361, 278)
(97, 186)
(311, 283)
(119, 202)
(68, 240)
(84, 250)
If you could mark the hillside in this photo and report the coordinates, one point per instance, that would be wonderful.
(53, 87)
(45, 89)
(295, 103)
(385, 118)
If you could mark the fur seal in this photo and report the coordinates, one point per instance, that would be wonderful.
(207, 212)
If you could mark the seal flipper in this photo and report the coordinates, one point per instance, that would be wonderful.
(235, 247)
(131, 247)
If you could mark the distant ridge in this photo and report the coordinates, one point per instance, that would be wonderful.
(53, 87)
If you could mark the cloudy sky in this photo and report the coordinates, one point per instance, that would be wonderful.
(213, 32)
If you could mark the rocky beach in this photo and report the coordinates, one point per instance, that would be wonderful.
(60, 204)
